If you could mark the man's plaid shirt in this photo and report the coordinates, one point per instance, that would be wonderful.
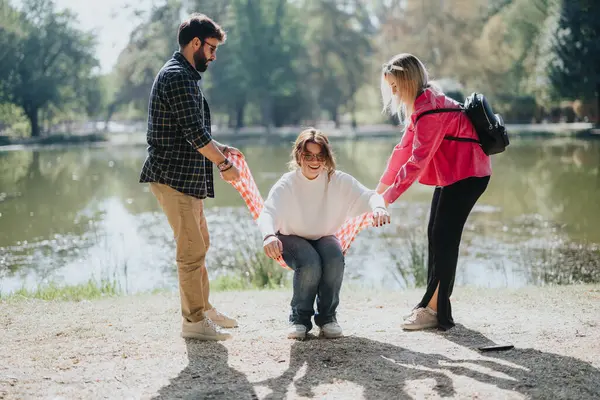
(178, 125)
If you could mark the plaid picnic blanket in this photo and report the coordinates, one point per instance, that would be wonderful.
(254, 201)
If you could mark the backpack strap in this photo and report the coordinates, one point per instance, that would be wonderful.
(438, 110)
(447, 137)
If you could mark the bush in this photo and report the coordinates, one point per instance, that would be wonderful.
(456, 95)
(567, 113)
(516, 109)
(554, 114)
(586, 111)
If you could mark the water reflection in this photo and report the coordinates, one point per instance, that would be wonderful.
(67, 215)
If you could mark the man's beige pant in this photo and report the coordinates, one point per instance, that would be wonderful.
(186, 217)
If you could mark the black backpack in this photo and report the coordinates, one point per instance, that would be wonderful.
(490, 129)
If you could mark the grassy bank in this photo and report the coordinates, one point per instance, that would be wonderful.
(561, 263)
(575, 130)
(54, 140)
(92, 289)
(260, 279)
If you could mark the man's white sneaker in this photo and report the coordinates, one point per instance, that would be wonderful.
(203, 330)
(297, 332)
(331, 330)
(421, 318)
(223, 320)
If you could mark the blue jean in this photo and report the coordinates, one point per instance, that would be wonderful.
(318, 272)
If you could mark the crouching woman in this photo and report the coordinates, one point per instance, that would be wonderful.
(301, 215)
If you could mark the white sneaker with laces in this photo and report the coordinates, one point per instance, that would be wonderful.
(203, 330)
(407, 316)
(297, 331)
(332, 330)
(421, 318)
(223, 320)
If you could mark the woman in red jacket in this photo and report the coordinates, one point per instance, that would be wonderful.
(459, 170)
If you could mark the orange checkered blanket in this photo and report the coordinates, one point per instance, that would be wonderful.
(251, 195)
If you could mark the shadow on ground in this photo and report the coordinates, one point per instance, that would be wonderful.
(384, 371)
(208, 376)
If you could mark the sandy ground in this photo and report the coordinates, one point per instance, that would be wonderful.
(129, 347)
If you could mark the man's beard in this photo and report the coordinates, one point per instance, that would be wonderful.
(200, 60)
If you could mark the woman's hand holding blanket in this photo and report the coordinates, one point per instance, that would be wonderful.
(273, 247)
(380, 217)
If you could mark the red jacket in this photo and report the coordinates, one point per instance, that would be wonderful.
(424, 154)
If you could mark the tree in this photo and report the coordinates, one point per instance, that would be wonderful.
(575, 71)
(260, 66)
(440, 33)
(271, 51)
(10, 35)
(338, 36)
(227, 83)
(512, 51)
(150, 45)
(47, 57)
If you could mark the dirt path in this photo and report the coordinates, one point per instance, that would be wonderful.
(129, 347)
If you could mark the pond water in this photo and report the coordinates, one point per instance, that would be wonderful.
(71, 214)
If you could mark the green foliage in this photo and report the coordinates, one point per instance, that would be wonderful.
(295, 62)
(13, 121)
(261, 276)
(339, 42)
(517, 109)
(277, 67)
(575, 71)
(511, 50)
(85, 291)
(411, 266)
(261, 63)
(150, 44)
(45, 60)
(254, 270)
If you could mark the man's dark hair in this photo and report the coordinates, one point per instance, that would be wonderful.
(200, 26)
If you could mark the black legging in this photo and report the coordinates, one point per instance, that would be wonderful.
(450, 208)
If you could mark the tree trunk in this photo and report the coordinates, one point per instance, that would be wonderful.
(44, 124)
(353, 111)
(598, 104)
(110, 112)
(239, 123)
(267, 113)
(32, 115)
(335, 117)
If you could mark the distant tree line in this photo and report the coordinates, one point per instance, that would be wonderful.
(289, 62)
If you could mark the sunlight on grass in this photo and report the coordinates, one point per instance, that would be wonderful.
(261, 276)
(86, 291)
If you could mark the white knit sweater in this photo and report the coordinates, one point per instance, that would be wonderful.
(315, 208)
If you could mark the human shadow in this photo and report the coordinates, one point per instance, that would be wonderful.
(381, 369)
(384, 370)
(207, 376)
(535, 374)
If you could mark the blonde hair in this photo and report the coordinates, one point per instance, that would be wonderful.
(312, 135)
(411, 79)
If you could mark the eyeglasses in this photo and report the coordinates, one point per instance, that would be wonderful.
(213, 49)
(313, 157)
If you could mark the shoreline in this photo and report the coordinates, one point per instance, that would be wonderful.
(101, 139)
(129, 347)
